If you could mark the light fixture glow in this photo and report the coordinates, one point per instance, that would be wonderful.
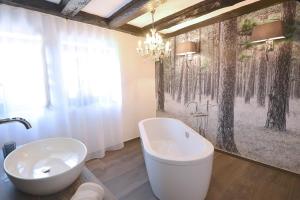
(268, 33)
(154, 45)
(186, 48)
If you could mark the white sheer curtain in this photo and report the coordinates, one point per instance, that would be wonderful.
(63, 76)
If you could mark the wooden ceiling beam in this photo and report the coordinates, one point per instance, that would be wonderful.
(90, 19)
(37, 5)
(55, 9)
(128, 28)
(232, 13)
(128, 12)
(194, 11)
(132, 10)
(73, 7)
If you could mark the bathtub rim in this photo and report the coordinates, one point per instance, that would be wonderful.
(209, 148)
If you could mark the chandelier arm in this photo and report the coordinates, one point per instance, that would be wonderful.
(152, 13)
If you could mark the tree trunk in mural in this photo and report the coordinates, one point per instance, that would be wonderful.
(245, 68)
(262, 78)
(199, 70)
(173, 70)
(208, 82)
(270, 70)
(199, 81)
(209, 68)
(213, 84)
(191, 81)
(160, 87)
(287, 110)
(186, 82)
(276, 116)
(278, 97)
(180, 84)
(251, 80)
(225, 135)
(215, 57)
(218, 65)
(238, 64)
(195, 85)
(239, 79)
(297, 83)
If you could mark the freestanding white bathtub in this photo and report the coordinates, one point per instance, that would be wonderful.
(178, 159)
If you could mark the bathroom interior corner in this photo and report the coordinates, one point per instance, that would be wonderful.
(149, 99)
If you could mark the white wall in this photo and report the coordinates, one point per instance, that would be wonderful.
(138, 85)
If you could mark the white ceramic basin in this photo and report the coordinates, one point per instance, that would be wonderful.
(45, 166)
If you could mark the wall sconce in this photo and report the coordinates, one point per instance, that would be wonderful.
(268, 33)
(187, 49)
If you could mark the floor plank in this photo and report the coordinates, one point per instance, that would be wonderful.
(124, 173)
(144, 192)
(128, 182)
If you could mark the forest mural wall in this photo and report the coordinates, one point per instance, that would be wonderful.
(240, 95)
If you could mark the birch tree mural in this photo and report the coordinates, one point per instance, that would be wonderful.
(225, 136)
(242, 96)
(278, 97)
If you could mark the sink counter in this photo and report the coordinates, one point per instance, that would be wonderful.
(9, 192)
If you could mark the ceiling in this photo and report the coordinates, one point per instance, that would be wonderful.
(104, 8)
(98, 7)
(54, 1)
(172, 17)
(207, 16)
(164, 10)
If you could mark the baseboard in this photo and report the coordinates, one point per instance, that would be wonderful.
(242, 158)
(257, 162)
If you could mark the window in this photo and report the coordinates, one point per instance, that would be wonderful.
(91, 74)
(22, 83)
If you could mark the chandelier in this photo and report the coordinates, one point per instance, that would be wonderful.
(154, 45)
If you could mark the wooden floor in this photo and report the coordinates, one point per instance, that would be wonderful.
(124, 174)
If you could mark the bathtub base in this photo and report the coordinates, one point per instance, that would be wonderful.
(178, 182)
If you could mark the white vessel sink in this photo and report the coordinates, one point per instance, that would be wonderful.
(45, 166)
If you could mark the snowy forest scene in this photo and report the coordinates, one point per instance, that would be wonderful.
(241, 95)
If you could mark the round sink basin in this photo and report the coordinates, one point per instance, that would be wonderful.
(45, 166)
